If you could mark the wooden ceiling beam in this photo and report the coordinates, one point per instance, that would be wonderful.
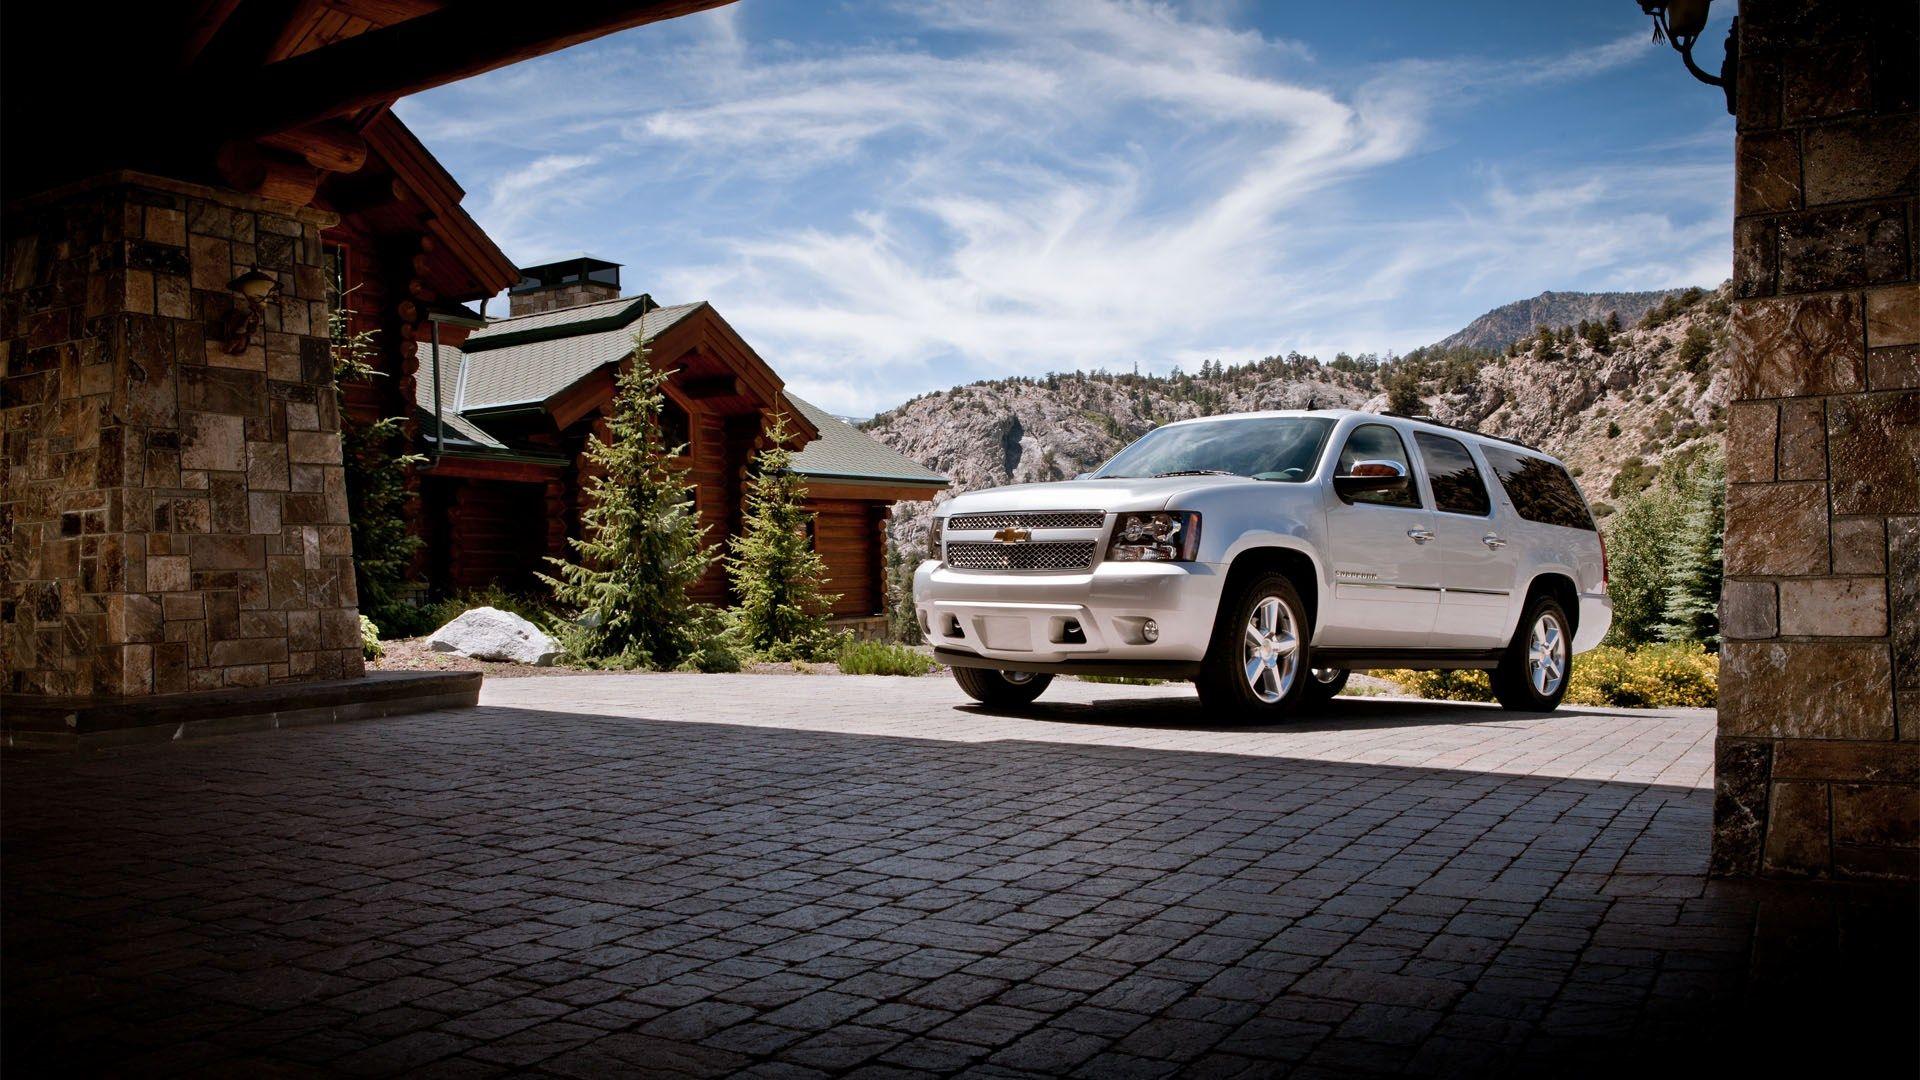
(417, 54)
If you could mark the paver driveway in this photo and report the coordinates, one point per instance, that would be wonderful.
(787, 875)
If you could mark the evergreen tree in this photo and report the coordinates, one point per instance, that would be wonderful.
(644, 546)
(903, 623)
(1691, 600)
(776, 573)
(1403, 392)
(1637, 577)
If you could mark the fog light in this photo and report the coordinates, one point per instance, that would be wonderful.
(1150, 630)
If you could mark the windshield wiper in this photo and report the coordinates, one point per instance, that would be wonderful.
(1195, 472)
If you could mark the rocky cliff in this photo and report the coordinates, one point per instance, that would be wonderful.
(1511, 322)
(1612, 404)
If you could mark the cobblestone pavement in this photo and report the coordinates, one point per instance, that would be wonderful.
(794, 876)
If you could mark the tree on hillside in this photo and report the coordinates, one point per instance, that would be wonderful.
(1691, 601)
(776, 573)
(1403, 392)
(643, 547)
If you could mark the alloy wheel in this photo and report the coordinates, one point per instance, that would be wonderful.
(1547, 654)
(1271, 654)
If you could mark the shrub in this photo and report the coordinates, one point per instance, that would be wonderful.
(413, 620)
(370, 646)
(1120, 680)
(1666, 676)
(879, 658)
(1443, 685)
(376, 472)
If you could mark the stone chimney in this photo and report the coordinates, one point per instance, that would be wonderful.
(582, 279)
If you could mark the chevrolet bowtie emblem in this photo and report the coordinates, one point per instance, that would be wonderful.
(1013, 536)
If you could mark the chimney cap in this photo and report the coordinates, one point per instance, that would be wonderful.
(569, 271)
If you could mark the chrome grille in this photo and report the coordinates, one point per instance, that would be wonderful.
(1065, 555)
(1052, 519)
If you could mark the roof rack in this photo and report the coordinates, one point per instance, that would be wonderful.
(1466, 430)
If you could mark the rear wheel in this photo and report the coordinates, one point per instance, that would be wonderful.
(990, 687)
(1324, 683)
(1533, 674)
(1256, 666)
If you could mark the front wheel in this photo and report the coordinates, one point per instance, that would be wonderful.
(1533, 674)
(1256, 666)
(1002, 688)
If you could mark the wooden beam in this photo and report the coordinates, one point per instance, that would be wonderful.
(418, 54)
(332, 146)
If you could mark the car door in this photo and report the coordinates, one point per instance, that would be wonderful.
(1477, 564)
(1386, 588)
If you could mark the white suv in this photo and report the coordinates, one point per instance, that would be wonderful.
(1266, 555)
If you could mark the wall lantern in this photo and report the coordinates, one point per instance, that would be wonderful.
(253, 289)
(1681, 22)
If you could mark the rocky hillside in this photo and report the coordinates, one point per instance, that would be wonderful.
(1613, 404)
(1511, 322)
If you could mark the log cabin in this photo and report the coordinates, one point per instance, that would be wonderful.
(516, 401)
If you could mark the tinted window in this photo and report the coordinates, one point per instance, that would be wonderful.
(1541, 491)
(1378, 442)
(1457, 487)
(1282, 448)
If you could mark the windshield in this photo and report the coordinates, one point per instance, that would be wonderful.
(1280, 448)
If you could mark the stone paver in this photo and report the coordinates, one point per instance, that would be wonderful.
(802, 876)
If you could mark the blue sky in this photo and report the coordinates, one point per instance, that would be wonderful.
(892, 197)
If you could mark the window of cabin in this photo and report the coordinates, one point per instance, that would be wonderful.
(676, 428)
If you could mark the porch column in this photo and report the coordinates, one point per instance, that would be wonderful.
(173, 516)
(1817, 762)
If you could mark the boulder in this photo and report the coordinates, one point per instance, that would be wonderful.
(491, 634)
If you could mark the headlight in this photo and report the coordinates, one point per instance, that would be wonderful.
(1169, 536)
(933, 538)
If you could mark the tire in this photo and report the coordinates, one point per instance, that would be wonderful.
(1323, 684)
(1224, 683)
(1538, 665)
(1001, 688)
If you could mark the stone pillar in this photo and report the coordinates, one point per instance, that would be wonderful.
(1818, 762)
(172, 517)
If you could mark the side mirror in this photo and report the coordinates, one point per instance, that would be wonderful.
(1371, 476)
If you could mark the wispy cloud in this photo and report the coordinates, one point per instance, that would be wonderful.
(1055, 185)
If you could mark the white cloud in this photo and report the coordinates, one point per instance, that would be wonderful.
(1057, 185)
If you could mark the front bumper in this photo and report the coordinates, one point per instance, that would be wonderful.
(1094, 615)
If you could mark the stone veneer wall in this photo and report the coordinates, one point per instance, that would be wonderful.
(1819, 746)
(172, 518)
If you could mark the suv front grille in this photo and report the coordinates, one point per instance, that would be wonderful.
(1065, 555)
(1052, 519)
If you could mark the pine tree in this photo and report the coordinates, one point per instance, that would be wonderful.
(1691, 599)
(903, 622)
(776, 573)
(644, 546)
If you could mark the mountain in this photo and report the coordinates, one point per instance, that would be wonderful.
(1612, 405)
(1509, 323)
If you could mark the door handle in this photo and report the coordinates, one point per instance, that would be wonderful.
(1493, 541)
(1420, 536)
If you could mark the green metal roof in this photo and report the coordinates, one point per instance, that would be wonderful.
(844, 452)
(524, 361)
